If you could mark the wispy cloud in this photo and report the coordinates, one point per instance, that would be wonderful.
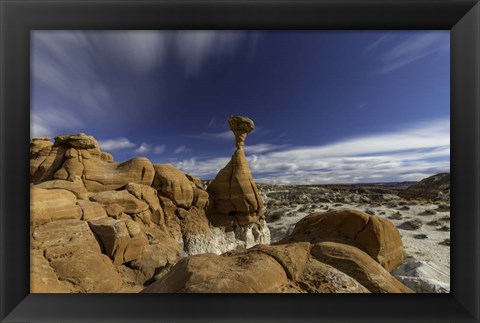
(49, 123)
(141, 51)
(224, 135)
(142, 149)
(181, 150)
(393, 53)
(195, 47)
(212, 123)
(61, 61)
(68, 65)
(160, 149)
(376, 43)
(262, 148)
(115, 144)
(411, 153)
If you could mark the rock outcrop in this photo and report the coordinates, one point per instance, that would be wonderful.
(235, 200)
(131, 220)
(376, 236)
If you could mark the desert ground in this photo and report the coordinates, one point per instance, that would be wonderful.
(424, 223)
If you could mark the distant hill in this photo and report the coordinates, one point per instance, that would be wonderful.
(433, 187)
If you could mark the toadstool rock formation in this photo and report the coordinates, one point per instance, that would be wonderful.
(236, 201)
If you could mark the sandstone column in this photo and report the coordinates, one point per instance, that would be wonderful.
(235, 196)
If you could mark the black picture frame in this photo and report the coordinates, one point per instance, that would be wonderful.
(461, 17)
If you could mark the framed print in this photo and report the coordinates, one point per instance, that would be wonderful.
(354, 132)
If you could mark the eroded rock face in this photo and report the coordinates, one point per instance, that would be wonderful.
(122, 241)
(124, 213)
(235, 196)
(378, 237)
(73, 253)
(173, 184)
(52, 205)
(100, 175)
(76, 187)
(130, 203)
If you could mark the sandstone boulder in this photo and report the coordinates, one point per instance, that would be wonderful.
(200, 198)
(40, 146)
(148, 195)
(91, 210)
(121, 241)
(196, 181)
(173, 184)
(72, 168)
(154, 259)
(52, 205)
(209, 273)
(42, 168)
(378, 237)
(79, 141)
(357, 264)
(263, 269)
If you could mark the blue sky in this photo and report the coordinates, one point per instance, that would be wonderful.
(329, 106)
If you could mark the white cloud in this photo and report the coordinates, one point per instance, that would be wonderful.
(207, 168)
(160, 149)
(413, 48)
(143, 149)
(409, 154)
(262, 148)
(115, 144)
(181, 149)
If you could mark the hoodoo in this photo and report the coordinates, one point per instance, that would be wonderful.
(236, 200)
